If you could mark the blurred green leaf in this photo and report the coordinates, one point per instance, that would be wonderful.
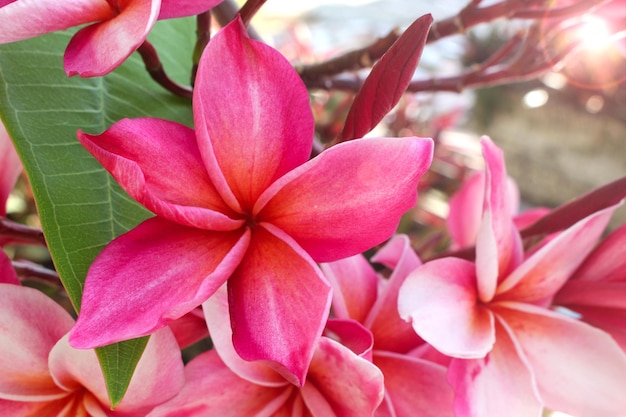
(80, 205)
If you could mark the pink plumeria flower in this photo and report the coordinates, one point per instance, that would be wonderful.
(513, 356)
(413, 385)
(597, 290)
(117, 27)
(10, 168)
(238, 200)
(466, 208)
(339, 382)
(7, 272)
(41, 375)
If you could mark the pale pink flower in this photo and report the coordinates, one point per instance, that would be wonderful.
(238, 200)
(466, 208)
(597, 290)
(512, 355)
(41, 375)
(338, 383)
(116, 27)
(7, 273)
(414, 386)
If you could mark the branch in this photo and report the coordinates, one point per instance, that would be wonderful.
(470, 16)
(249, 9)
(203, 35)
(30, 270)
(226, 12)
(354, 60)
(16, 233)
(156, 71)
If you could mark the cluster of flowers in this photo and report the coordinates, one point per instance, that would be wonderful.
(268, 242)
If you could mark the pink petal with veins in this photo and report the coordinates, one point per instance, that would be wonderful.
(273, 287)
(24, 19)
(256, 124)
(132, 151)
(580, 370)
(133, 289)
(500, 384)
(99, 48)
(350, 197)
(441, 300)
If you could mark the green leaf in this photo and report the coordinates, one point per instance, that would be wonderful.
(80, 205)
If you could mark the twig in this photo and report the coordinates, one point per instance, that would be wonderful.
(12, 232)
(249, 9)
(226, 11)
(203, 35)
(360, 58)
(470, 16)
(155, 69)
(30, 270)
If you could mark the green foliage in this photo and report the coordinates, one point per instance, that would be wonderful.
(80, 205)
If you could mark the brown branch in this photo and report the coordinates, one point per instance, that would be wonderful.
(226, 11)
(249, 9)
(353, 60)
(16, 233)
(203, 35)
(470, 16)
(30, 270)
(155, 69)
(531, 57)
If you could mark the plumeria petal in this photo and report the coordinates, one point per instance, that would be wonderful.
(351, 334)
(553, 343)
(415, 387)
(179, 8)
(601, 304)
(213, 389)
(63, 407)
(545, 271)
(132, 151)
(355, 286)
(7, 272)
(216, 313)
(100, 48)
(466, 207)
(159, 374)
(500, 384)
(10, 165)
(530, 216)
(350, 197)
(340, 383)
(30, 323)
(23, 19)
(498, 244)
(607, 262)
(279, 302)
(256, 124)
(190, 328)
(441, 300)
(391, 332)
(133, 289)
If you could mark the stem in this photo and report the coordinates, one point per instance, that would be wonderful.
(203, 34)
(470, 16)
(18, 233)
(156, 71)
(226, 11)
(249, 9)
(352, 60)
(31, 270)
